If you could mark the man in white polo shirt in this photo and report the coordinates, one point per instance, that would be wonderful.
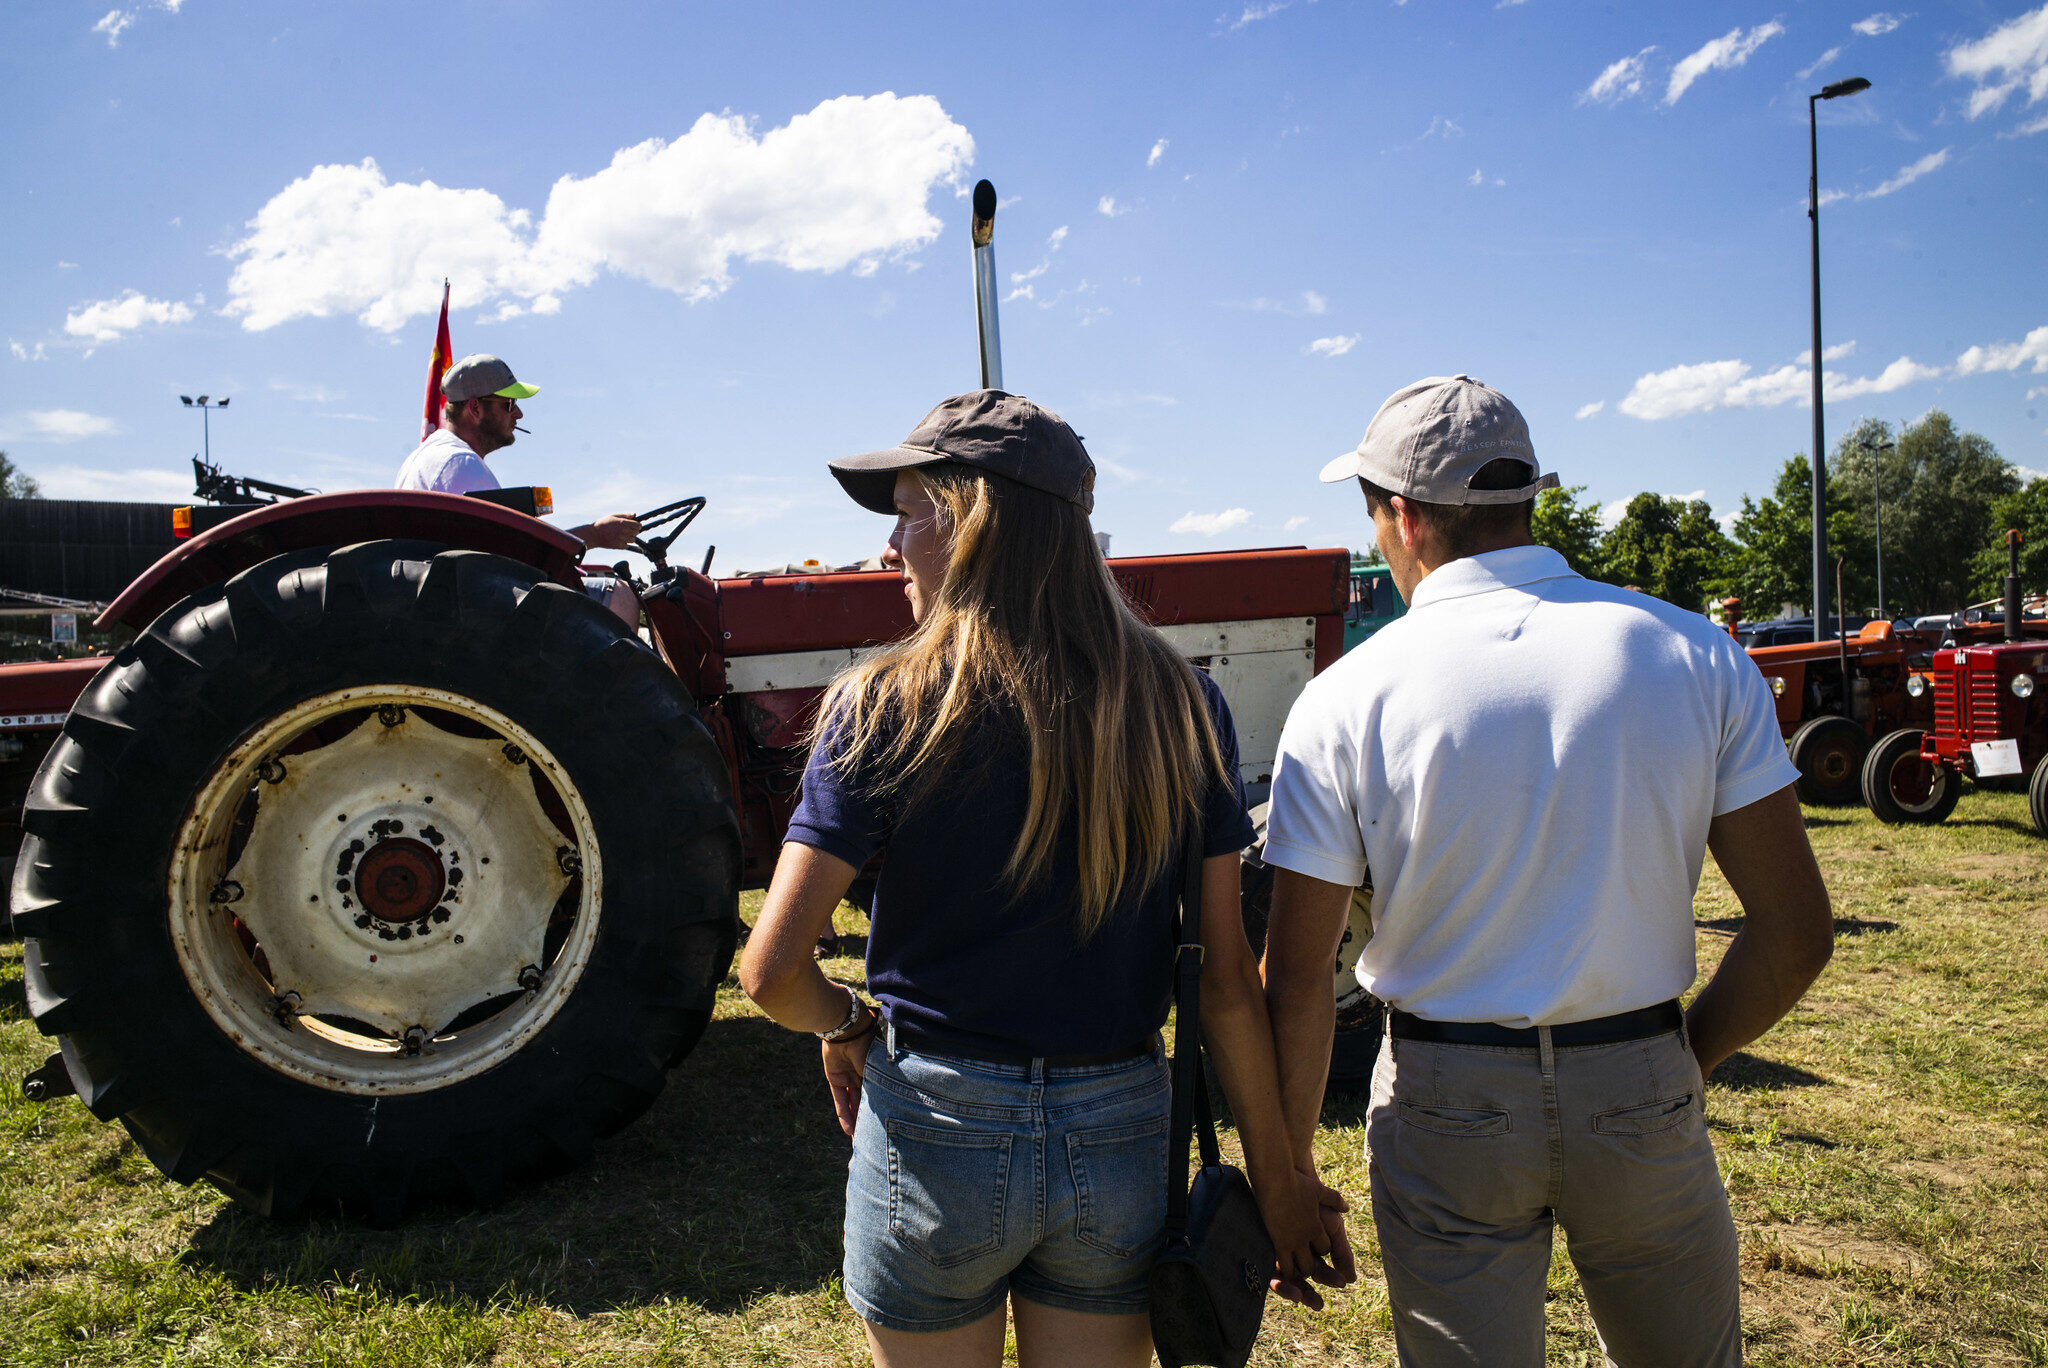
(1532, 765)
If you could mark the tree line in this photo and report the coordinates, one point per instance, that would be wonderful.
(1947, 499)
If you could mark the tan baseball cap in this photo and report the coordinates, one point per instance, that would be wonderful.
(1431, 438)
(481, 375)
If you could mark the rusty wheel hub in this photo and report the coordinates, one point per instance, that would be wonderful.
(400, 879)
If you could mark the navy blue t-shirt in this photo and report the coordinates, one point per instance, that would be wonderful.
(953, 952)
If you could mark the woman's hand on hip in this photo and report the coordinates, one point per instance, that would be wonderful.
(846, 1063)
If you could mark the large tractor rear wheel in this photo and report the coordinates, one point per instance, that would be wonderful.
(1828, 752)
(375, 876)
(1900, 787)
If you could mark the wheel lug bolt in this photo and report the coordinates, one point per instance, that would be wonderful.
(390, 714)
(271, 771)
(414, 1038)
(514, 754)
(226, 891)
(570, 862)
(285, 1007)
(529, 978)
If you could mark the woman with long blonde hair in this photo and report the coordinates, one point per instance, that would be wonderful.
(1029, 763)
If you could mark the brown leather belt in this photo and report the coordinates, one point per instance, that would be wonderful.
(905, 1037)
(1661, 1019)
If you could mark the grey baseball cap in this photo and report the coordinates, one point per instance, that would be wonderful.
(480, 375)
(1431, 438)
(1004, 434)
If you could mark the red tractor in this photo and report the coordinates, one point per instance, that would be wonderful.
(1834, 696)
(384, 865)
(1986, 723)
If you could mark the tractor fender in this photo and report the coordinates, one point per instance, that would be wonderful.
(343, 519)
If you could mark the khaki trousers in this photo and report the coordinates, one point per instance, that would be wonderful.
(1476, 1152)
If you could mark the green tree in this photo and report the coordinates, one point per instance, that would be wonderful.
(14, 484)
(2027, 510)
(1669, 547)
(1771, 567)
(1568, 527)
(1940, 487)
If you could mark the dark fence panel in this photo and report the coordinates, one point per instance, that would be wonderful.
(79, 548)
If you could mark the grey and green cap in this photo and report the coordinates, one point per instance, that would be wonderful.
(480, 376)
(1004, 434)
(1431, 438)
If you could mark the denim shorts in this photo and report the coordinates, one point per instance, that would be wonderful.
(971, 1180)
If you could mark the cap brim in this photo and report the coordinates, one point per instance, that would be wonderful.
(870, 478)
(1343, 468)
(517, 390)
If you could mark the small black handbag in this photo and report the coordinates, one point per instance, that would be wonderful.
(1209, 1285)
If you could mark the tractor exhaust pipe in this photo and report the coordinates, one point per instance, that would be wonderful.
(2012, 585)
(983, 233)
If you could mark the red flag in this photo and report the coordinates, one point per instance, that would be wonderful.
(444, 356)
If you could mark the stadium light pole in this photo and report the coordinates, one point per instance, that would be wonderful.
(206, 404)
(1877, 510)
(1854, 85)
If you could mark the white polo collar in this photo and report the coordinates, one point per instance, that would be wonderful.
(1482, 574)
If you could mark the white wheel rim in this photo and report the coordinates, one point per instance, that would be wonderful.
(1935, 786)
(346, 971)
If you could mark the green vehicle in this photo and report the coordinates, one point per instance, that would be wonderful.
(1374, 600)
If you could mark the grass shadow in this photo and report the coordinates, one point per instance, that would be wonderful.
(13, 996)
(1814, 821)
(1745, 1072)
(1998, 824)
(731, 1186)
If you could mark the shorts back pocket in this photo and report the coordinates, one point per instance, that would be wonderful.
(946, 1191)
(1120, 1185)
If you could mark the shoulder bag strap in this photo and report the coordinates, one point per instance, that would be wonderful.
(1190, 1088)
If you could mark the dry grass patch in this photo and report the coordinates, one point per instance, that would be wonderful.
(1883, 1150)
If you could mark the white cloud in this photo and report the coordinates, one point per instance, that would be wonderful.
(1588, 410)
(2012, 55)
(106, 319)
(306, 394)
(1620, 81)
(1158, 151)
(114, 25)
(1478, 177)
(1610, 513)
(843, 187)
(1441, 127)
(1879, 24)
(21, 353)
(2036, 393)
(1109, 208)
(1310, 303)
(1254, 12)
(1210, 524)
(1828, 197)
(1297, 521)
(60, 425)
(2039, 125)
(81, 482)
(1820, 62)
(2007, 356)
(1933, 161)
(1730, 50)
(1332, 346)
(1710, 385)
(1834, 353)
(1052, 244)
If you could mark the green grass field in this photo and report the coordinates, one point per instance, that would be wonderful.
(1884, 1148)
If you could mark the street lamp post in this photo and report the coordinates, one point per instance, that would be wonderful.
(1820, 494)
(206, 404)
(1877, 511)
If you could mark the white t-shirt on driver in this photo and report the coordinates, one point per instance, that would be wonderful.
(1528, 762)
(444, 463)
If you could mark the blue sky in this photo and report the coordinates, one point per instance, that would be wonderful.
(729, 241)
